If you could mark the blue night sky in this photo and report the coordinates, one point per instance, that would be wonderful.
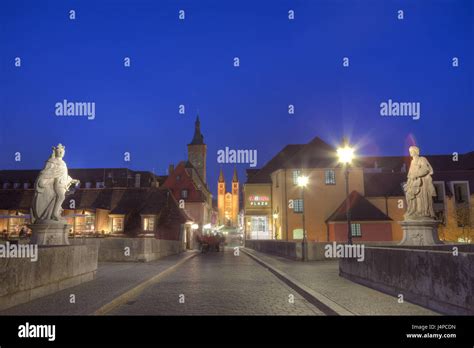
(190, 62)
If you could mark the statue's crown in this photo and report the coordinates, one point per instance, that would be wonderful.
(59, 147)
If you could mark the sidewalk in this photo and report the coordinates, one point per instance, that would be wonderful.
(114, 279)
(321, 280)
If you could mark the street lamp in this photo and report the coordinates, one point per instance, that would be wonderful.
(346, 155)
(302, 182)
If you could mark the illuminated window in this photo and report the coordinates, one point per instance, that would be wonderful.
(298, 233)
(330, 177)
(296, 175)
(15, 224)
(355, 230)
(184, 193)
(117, 224)
(85, 224)
(149, 223)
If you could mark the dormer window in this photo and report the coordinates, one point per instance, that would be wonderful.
(16, 185)
(100, 184)
(26, 185)
(6, 185)
(149, 223)
(117, 223)
(88, 185)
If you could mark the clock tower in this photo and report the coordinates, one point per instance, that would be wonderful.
(197, 151)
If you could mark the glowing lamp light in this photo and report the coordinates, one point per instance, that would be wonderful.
(345, 154)
(194, 226)
(302, 181)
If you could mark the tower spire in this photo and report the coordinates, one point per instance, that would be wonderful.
(221, 176)
(235, 178)
(198, 138)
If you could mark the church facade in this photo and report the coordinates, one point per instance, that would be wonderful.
(228, 202)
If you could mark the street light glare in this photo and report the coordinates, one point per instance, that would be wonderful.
(302, 181)
(345, 154)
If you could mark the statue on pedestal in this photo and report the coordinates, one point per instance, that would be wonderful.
(420, 225)
(49, 228)
(419, 189)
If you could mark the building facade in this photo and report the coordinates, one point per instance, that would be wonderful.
(273, 201)
(122, 204)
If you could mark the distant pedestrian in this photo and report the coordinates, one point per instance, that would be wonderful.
(5, 235)
(22, 234)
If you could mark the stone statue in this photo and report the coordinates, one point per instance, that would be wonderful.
(419, 189)
(50, 188)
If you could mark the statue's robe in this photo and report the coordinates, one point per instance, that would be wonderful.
(419, 189)
(50, 189)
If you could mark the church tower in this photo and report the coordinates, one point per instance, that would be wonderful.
(197, 151)
(228, 202)
(221, 198)
(235, 199)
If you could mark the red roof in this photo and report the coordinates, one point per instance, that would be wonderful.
(361, 210)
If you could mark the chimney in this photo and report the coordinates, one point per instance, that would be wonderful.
(170, 169)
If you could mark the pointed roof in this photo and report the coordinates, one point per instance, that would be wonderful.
(315, 154)
(263, 175)
(235, 178)
(221, 176)
(361, 210)
(198, 138)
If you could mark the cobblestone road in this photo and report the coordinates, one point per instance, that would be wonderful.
(218, 284)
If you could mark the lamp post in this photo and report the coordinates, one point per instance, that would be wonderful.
(302, 182)
(346, 154)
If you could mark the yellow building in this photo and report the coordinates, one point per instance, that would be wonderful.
(273, 201)
(228, 202)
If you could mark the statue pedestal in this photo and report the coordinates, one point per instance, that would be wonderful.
(420, 232)
(50, 232)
